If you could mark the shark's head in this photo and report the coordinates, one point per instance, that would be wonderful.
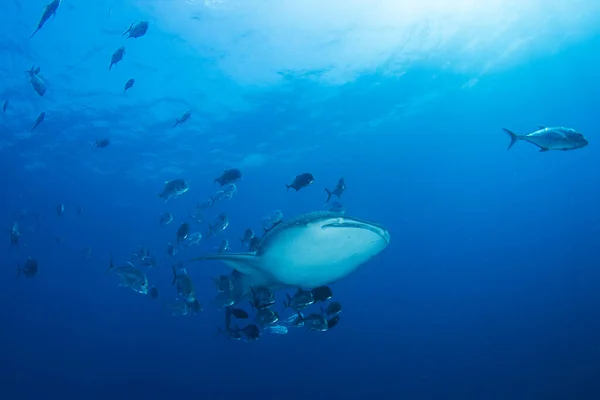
(323, 248)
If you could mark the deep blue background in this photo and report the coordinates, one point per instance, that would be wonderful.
(488, 290)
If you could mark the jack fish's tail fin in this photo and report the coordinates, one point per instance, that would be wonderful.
(128, 30)
(513, 138)
(111, 265)
(328, 194)
(34, 32)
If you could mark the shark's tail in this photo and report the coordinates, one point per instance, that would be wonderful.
(328, 194)
(513, 137)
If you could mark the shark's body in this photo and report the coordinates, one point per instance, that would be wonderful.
(310, 250)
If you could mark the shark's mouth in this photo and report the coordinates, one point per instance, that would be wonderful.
(376, 229)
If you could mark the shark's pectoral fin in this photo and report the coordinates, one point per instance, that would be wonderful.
(246, 263)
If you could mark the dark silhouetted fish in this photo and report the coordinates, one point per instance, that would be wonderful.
(238, 313)
(322, 293)
(137, 30)
(183, 232)
(184, 117)
(5, 106)
(334, 308)
(173, 189)
(301, 181)
(36, 81)
(229, 176)
(301, 300)
(30, 269)
(116, 57)
(102, 143)
(38, 120)
(15, 234)
(129, 85)
(333, 322)
(49, 11)
(165, 219)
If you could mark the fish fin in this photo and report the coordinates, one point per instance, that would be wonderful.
(111, 265)
(36, 31)
(287, 188)
(542, 127)
(543, 149)
(174, 276)
(513, 138)
(128, 30)
(246, 263)
(176, 123)
(289, 302)
(328, 194)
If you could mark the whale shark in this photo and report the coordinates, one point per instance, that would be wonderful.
(310, 250)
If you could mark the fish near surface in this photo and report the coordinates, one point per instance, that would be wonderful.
(116, 57)
(49, 11)
(310, 250)
(184, 117)
(137, 30)
(129, 85)
(558, 138)
(38, 120)
(37, 82)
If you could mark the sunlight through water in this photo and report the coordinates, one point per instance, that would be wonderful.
(254, 40)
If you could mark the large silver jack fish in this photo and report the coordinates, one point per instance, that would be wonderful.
(307, 251)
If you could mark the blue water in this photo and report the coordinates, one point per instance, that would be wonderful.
(488, 289)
